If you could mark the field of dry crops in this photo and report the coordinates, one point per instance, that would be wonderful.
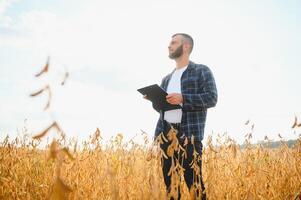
(118, 170)
(127, 170)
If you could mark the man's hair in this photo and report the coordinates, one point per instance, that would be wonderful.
(187, 38)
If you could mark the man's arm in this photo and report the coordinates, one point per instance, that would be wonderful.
(206, 99)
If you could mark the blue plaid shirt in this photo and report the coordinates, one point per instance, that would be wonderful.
(199, 93)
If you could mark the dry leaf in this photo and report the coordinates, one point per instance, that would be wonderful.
(65, 78)
(53, 150)
(44, 70)
(43, 133)
(296, 124)
(49, 99)
(192, 193)
(170, 150)
(37, 93)
(66, 151)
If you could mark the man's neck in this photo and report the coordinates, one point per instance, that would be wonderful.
(182, 62)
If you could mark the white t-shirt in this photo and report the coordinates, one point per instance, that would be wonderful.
(174, 86)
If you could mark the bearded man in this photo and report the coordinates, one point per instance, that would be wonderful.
(193, 87)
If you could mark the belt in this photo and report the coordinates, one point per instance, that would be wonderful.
(167, 125)
(175, 125)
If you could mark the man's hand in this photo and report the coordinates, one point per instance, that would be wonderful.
(174, 98)
(145, 97)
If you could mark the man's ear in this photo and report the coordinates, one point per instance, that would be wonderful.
(186, 47)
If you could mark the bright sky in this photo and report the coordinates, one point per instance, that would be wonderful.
(113, 48)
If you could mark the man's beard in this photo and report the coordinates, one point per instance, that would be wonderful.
(177, 53)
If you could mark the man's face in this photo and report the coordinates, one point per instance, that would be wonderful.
(175, 47)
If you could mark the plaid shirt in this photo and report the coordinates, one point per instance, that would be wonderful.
(199, 93)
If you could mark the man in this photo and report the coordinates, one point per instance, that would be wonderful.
(193, 87)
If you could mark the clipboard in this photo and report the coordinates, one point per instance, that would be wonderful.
(158, 97)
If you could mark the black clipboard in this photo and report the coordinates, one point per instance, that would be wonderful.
(158, 97)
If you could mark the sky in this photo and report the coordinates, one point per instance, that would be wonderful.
(112, 48)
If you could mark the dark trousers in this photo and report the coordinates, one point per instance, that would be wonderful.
(189, 173)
